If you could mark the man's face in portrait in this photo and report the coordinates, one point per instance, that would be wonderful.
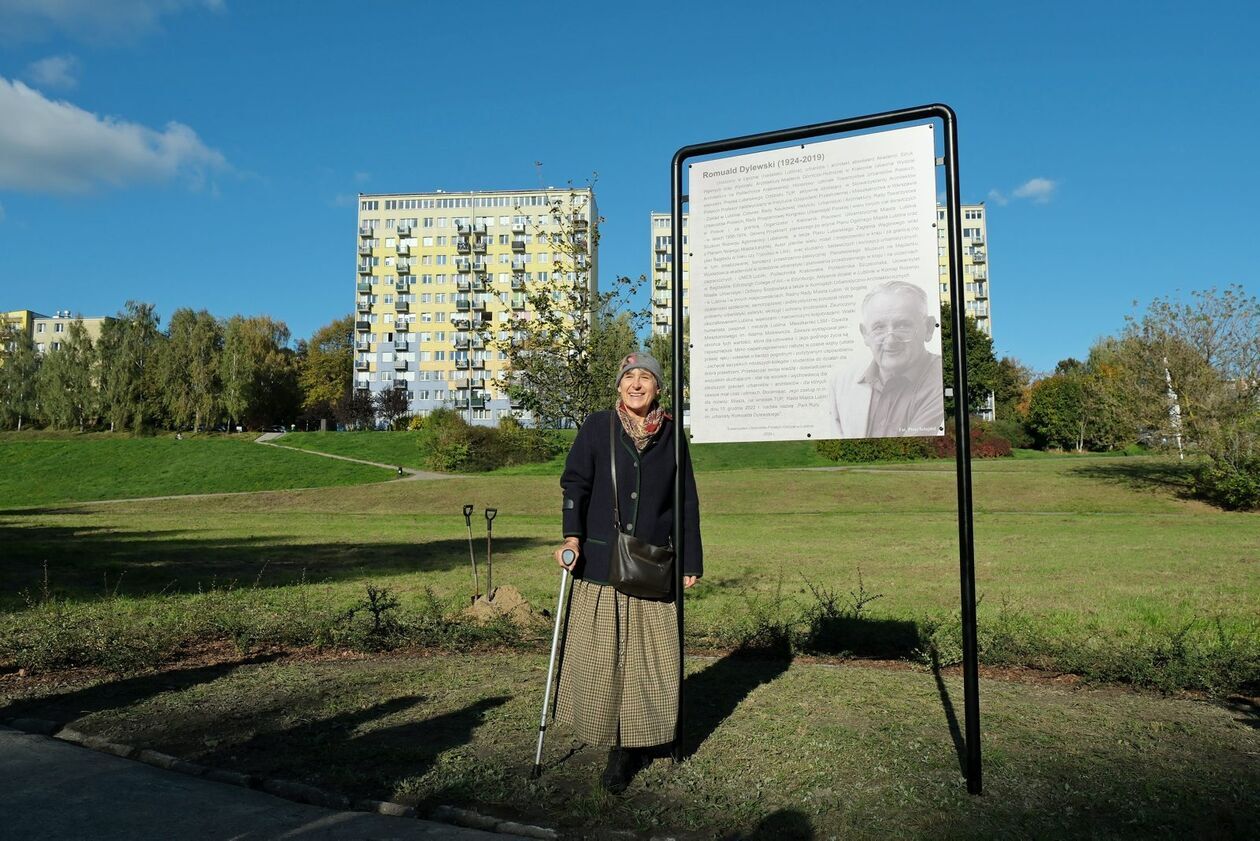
(895, 329)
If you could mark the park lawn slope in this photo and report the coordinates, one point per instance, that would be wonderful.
(37, 469)
(397, 448)
(777, 749)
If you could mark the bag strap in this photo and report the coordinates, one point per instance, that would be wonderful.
(612, 457)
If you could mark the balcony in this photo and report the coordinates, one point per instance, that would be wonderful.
(400, 344)
(463, 227)
(363, 305)
(402, 306)
(463, 306)
(400, 365)
(662, 248)
(577, 220)
(400, 383)
(518, 283)
(403, 250)
(518, 244)
(480, 244)
(580, 241)
(661, 317)
(661, 283)
(365, 268)
(363, 326)
(402, 286)
(479, 227)
(403, 230)
(477, 402)
(479, 364)
(479, 266)
(366, 230)
(978, 257)
(518, 228)
(463, 284)
(462, 264)
(518, 264)
(362, 365)
(403, 267)
(461, 324)
(462, 364)
(462, 341)
(363, 287)
(463, 245)
(365, 249)
(662, 267)
(363, 346)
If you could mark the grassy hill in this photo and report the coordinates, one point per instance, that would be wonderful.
(44, 468)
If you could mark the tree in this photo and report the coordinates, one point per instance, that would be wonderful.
(127, 352)
(326, 367)
(1056, 412)
(17, 376)
(259, 372)
(661, 345)
(1010, 388)
(64, 386)
(562, 333)
(391, 404)
(189, 369)
(356, 409)
(982, 367)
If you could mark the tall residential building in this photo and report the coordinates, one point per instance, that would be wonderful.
(975, 267)
(439, 276)
(48, 331)
(662, 264)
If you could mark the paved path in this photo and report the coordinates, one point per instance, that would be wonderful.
(269, 438)
(54, 791)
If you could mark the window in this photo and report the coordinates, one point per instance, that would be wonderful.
(428, 241)
(39, 328)
(59, 327)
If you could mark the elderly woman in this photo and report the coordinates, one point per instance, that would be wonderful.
(619, 669)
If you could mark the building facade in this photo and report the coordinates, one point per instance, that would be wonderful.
(662, 279)
(439, 277)
(48, 331)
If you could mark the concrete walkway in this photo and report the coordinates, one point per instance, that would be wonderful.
(55, 791)
(269, 438)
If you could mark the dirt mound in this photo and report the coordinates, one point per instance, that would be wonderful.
(503, 601)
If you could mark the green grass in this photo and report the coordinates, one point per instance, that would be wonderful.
(1094, 561)
(42, 468)
(381, 447)
(776, 749)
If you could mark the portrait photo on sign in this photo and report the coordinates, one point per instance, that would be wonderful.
(895, 388)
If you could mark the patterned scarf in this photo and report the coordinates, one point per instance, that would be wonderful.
(643, 431)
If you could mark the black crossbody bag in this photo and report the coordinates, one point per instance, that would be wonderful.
(636, 568)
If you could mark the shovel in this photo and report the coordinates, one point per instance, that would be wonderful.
(468, 509)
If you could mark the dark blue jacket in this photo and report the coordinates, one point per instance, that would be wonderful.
(645, 490)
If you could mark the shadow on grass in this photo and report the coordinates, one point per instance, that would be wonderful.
(352, 755)
(713, 694)
(116, 694)
(783, 825)
(86, 562)
(951, 717)
(861, 637)
(1141, 474)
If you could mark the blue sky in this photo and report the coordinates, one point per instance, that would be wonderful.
(207, 154)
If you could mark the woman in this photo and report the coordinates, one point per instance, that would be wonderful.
(619, 669)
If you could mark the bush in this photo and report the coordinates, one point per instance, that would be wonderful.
(864, 450)
(1233, 485)
(1014, 431)
(451, 444)
(985, 443)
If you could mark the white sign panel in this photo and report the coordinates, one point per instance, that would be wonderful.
(814, 304)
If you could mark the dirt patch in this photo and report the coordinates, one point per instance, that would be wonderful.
(505, 601)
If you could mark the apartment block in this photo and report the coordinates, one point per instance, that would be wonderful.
(48, 331)
(441, 275)
(975, 267)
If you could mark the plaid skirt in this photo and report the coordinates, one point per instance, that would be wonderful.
(619, 668)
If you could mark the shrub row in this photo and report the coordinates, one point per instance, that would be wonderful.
(985, 443)
(451, 444)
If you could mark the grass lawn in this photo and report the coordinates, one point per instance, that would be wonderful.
(41, 468)
(1081, 554)
(777, 750)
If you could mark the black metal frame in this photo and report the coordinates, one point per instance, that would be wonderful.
(962, 431)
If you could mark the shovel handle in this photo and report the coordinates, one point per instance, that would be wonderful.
(468, 509)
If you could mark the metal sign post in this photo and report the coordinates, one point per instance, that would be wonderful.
(966, 540)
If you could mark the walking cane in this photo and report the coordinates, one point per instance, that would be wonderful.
(468, 509)
(490, 513)
(568, 556)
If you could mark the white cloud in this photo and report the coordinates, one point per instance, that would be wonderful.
(362, 177)
(998, 197)
(345, 200)
(57, 147)
(1038, 190)
(57, 72)
(99, 21)
(1, 213)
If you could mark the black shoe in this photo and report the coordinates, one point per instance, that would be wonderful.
(623, 763)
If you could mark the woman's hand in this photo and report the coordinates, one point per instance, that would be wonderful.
(689, 581)
(570, 543)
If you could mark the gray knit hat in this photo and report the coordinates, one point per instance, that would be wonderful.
(646, 361)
